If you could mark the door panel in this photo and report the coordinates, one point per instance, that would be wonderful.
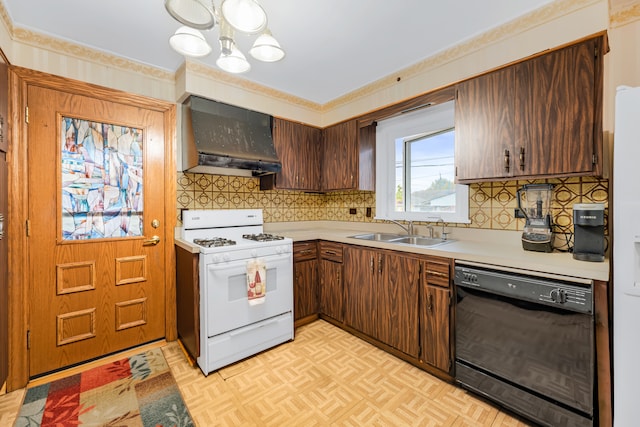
(101, 295)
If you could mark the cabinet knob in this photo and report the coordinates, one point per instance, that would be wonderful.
(521, 158)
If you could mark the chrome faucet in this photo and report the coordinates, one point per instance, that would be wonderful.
(443, 235)
(430, 228)
(408, 228)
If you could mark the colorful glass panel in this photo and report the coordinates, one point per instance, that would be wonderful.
(101, 180)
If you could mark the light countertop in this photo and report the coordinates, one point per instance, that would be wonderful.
(497, 248)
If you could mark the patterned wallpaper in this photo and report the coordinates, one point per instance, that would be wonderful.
(491, 204)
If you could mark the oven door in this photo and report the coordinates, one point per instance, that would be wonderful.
(543, 349)
(226, 305)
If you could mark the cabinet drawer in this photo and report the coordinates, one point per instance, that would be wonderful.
(437, 272)
(304, 251)
(331, 251)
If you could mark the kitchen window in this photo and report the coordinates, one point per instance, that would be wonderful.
(415, 178)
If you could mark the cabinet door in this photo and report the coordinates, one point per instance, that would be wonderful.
(436, 343)
(398, 303)
(555, 111)
(340, 156)
(331, 291)
(360, 282)
(309, 158)
(485, 126)
(305, 295)
(298, 148)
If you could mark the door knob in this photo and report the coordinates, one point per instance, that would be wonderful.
(152, 241)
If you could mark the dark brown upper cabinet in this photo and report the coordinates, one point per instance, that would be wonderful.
(298, 147)
(538, 118)
(348, 159)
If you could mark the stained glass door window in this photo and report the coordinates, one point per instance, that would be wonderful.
(102, 184)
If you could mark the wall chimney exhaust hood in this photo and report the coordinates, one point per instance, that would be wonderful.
(223, 139)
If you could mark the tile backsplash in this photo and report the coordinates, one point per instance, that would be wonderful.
(491, 204)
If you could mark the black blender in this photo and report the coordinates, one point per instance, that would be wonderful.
(537, 235)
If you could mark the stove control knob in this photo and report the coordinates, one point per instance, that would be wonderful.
(254, 253)
(226, 257)
(216, 259)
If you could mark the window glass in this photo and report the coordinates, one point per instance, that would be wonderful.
(415, 177)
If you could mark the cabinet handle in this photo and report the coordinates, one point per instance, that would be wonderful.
(338, 276)
(371, 264)
(379, 264)
(436, 273)
(521, 158)
(330, 253)
(506, 160)
(305, 252)
(430, 303)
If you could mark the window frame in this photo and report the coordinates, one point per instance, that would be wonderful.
(426, 121)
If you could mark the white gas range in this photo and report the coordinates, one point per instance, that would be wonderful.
(246, 284)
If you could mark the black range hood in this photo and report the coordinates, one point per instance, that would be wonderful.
(223, 139)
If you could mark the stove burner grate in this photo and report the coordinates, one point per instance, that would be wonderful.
(215, 241)
(262, 237)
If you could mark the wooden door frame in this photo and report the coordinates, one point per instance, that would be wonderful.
(19, 81)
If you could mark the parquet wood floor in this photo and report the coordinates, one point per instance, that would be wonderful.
(324, 377)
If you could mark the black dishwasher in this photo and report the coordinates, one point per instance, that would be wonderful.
(527, 343)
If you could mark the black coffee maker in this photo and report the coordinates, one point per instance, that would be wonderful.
(536, 207)
(588, 231)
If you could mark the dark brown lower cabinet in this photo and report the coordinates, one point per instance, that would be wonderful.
(188, 300)
(305, 279)
(435, 312)
(381, 296)
(331, 290)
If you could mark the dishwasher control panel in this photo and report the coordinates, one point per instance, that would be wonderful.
(563, 294)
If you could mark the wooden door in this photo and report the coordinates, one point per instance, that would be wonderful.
(4, 285)
(484, 121)
(331, 290)
(398, 304)
(361, 286)
(91, 297)
(555, 114)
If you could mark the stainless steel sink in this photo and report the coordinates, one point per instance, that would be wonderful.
(419, 241)
(378, 237)
(401, 239)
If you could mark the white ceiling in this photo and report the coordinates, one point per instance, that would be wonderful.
(333, 46)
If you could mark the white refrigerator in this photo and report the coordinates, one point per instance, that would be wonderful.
(626, 258)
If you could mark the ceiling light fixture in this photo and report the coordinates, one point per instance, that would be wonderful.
(198, 14)
(190, 42)
(246, 16)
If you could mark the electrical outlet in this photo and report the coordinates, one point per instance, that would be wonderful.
(352, 211)
(368, 213)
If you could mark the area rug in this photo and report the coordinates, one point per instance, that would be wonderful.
(135, 391)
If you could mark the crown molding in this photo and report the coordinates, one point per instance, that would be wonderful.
(231, 80)
(620, 16)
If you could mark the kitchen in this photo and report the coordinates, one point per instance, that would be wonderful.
(489, 210)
